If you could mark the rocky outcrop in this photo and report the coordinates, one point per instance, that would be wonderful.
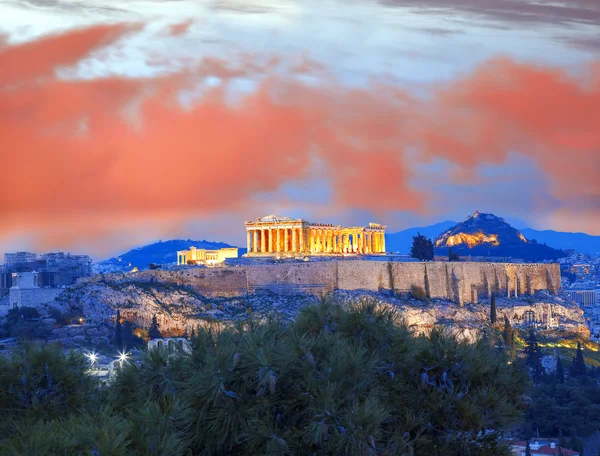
(179, 307)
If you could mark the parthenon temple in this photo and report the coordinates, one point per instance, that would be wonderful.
(274, 234)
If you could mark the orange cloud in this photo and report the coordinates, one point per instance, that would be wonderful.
(125, 149)
(180, 28)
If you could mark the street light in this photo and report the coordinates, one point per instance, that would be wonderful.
(93, 358)
(123, 357)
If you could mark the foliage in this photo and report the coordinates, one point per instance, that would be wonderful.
(153, 332)
(60, 317)
(527, 449)
(41, 382)
(341, 379)
(560, 373)
(493, 309)
(422, 248)
(419, 293)
(508, 336)
(29, 313)
(23, 322)
(118, 331)
(338, 381)
(571, 408)
(578, 365)
(533, 355)
(453, 256)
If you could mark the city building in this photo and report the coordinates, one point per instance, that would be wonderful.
(276, 235)
(27, 292)
(541, 448)
(52, 269)
(171, 345)
(208, 257)
(585, 298)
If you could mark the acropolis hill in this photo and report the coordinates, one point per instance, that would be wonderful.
(186, 297)
(290, 262)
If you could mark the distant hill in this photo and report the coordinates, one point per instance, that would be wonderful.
(583, 243)
(402, 240)
(157, 253)
(488, 235)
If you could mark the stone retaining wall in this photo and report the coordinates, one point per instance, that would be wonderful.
(33, 297)
(459, 282)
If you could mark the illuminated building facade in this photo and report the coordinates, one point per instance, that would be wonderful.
(208, 257)
(276, 235)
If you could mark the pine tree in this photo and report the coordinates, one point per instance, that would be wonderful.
(508, 335)
(422, 248)
(578, 366)
(119, 332)
(534, 355)
(153, 332)
(493, 309)
(452, 256)
(560, 373)
(527, 449)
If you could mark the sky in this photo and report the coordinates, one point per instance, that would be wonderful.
(122, 123)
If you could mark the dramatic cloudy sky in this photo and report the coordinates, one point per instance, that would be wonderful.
(123, 123)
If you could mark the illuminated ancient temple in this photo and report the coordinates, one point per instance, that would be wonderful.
(273, 235)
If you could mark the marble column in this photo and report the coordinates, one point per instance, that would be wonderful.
(255, 241)
(285, 240)
(263, 244)
(383, 242)
(278, 249)
(294, 241)
(301, 249)
(249, 241)
(270, 240)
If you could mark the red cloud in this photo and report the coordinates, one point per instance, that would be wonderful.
(124, 149)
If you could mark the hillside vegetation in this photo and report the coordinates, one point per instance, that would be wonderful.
(337, 380)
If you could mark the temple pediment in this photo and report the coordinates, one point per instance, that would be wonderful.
(275, 218)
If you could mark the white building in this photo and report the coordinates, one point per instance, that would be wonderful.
(171, 345)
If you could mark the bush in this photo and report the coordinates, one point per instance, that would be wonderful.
(338, 381)
(341, 379)
(41, 382)
(419, 293)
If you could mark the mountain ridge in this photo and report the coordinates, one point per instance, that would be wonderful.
(401, 241)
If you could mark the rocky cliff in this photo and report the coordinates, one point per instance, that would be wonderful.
(182, 299)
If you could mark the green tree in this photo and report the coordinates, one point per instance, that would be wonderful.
(533, 355)
(422, 248)
(560, 373)
(119, 332)
(508, 336)
(153, 332)
(578, 365)
(453, 256)
(493, 309)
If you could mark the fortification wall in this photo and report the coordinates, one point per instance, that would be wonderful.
(459, 282)
(292, 277)
(32, 297)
